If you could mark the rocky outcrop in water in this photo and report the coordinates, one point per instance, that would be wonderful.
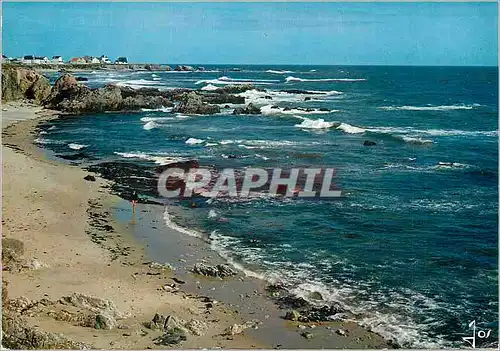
(68, 95)
(192, 103)
(183, 68)
(22, 83)
(250, 109)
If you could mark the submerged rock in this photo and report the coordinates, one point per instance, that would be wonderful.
(369, 143)
(219, 271)
(250, 109)
(192, 103)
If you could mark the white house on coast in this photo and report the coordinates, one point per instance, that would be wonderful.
(58, 60)
(105, 59)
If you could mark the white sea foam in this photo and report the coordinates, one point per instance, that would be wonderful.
(150, 125)
(227, 80)
(212, 214)
(156, 119)
(154, 75)
(161, 109)
(434, 132)
(278, 72)
(209, 87)
(416, 140)
(171, 224)
(296, 79)
(347, 128)
(137, 83)
(274, 110)
(430, 108)
(315, 124)
(44, 141)
(264, 97)
(194, 141)
(158, 159)
(76, 146)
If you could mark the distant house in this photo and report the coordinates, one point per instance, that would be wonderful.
(121, 60)
(42, 59)
(104, 59)
(77, 61)
(58, 60)
(95, 60)
(27, 59)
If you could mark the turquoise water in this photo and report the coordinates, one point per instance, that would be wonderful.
(412, 247)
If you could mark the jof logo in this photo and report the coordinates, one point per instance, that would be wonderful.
(481, 334)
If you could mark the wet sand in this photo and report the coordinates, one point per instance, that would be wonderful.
(64, 222)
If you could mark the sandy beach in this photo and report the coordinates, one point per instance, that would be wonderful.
(81, 241)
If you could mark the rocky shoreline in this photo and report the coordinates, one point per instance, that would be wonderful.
(197, 320)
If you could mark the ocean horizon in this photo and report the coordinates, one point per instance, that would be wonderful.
(411, 249)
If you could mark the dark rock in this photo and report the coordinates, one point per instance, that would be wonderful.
(267, 97)
(90, 178)
(192, 103)
(173, 336)
(250, 109)
(292, 316)
(218, 271)
(82, 79)
(307, 98)
(69, 95)
(291, 301)
(307, 335)
(235, 88)
(221, 98)
(369, 143)
(183, 68)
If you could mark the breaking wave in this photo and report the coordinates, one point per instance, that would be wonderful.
(430, 108)
(320, 123)
(76, 146)
(227, 80)
(161, 160)
(276, 110)
(296, 79)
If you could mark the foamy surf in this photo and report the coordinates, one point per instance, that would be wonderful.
(194, 141)
(296, 79)
(264, 97)
(161, 160)
(172, 225)
(75, 146)
(430, 107)
(227, 80)
(276, 110)
(347, 128)
(320, 123)
(161, 109)
(150, 125)
(278, 72)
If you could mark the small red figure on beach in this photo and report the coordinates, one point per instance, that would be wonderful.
(134, 199)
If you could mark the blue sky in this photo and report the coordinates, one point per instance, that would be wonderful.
(257, 33)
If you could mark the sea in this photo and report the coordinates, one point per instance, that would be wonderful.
(411, 248)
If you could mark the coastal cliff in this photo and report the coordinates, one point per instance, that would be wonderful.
(22, 83)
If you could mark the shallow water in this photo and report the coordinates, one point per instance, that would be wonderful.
(412, 247)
